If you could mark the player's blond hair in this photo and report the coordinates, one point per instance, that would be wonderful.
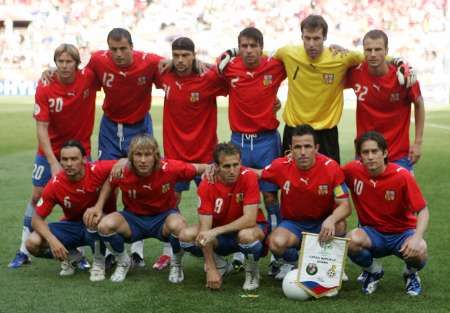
(144, 142)
(70, 49)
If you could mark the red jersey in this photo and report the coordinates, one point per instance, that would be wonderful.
(307, 194)
(190, 115)
(153, 194)
(225, 202)
(253, 93)
(383, 105)
(127, 89)
(68, 109)
(75, 197)
(386, 202)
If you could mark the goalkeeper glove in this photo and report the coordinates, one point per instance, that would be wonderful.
(225, 58)
(406, 75)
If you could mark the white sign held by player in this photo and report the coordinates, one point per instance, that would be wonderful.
(321, 267)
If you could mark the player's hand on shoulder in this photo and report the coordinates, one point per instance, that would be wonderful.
(210, 173)
(225, 58)
(202, 67)
(55, 168)
(406, 74)
(338, 50)
(165, 65)
(47, 76)
(213, 279)
(118, 169)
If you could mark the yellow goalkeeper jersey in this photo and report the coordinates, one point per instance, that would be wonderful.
(315, 87)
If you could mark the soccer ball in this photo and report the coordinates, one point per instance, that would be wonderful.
(292, 289)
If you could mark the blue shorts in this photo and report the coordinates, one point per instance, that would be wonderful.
(228, 243)
(184, 185)
(114, 138)
(41, 171)
(143, 227)
(386, 244)
(405, 162)
(258, 151)
(71, 234)
(304, 226)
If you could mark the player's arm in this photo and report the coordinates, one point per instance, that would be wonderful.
(415, 245)
(213, 277)
(93, 215)
(201, 167)
(340, 213)
(247, 220)
(257, 171)
(415, 150)
(41, 227)
(44, 143)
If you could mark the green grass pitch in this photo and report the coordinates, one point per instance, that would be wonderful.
(38, 288)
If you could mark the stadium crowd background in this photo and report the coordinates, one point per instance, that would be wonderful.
(31, 29)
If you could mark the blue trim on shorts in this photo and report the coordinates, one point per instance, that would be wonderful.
(405, 162)
(143, 227)
(257, 151)
(112, 145)
(304, 226)
(184, 185)
(386, 244)
(71, 234)
(228, 243)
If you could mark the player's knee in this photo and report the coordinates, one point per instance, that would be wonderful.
(175, 223)
(247, 235)
(33, 243)
(341, 228)
(277, 243)
(188, 234)
(357, 240)
(107, 225)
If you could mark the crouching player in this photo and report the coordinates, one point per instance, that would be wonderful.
(314, 197)
(147, 187)
(75, 189)
(230, 220)
(392, 213)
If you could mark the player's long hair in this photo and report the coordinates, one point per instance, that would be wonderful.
(144, 142)
(70, 50)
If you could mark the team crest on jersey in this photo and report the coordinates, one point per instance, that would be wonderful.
(389, 195)
(165, 188)
(267, 80)
(322, 190)
(195, 96)
(86, 94)
(328, 78)
(141, 80)
(239, 197)
(395, 97)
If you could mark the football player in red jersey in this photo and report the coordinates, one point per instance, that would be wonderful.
(58, 106)
(383, 105)
(314, 196)
(150, 211)
(74, 189)
(230, 220)
(392, 213)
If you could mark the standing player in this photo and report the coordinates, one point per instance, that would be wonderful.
(316, 83)
(150, 205)
(74, 189)
(384, 105)
(314, 197)
(64, 110)
(391, 211)
(230, 220)
(253, 81)
(190, 114)
(126, 76)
